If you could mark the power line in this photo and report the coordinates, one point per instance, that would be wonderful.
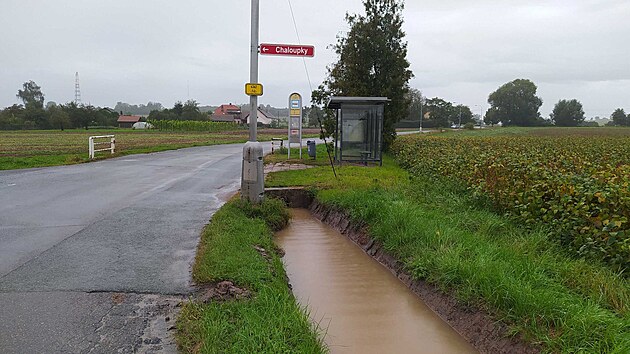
(297, 34)
(310, 85)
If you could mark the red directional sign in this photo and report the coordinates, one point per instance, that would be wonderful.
(288, 49)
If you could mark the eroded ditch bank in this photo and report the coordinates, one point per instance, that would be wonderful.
(474, 325)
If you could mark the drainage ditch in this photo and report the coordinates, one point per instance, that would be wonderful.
(332, 289)
(358, 303)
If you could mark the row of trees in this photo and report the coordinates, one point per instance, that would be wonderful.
(441, 113)
(516, 104)
(188, 111)
(512, 104)
(32, 114)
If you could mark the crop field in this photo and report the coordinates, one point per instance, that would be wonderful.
(575, 181)
(38, 148)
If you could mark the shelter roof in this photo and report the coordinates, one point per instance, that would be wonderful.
(336, 101)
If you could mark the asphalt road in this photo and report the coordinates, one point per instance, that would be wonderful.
(95, 257)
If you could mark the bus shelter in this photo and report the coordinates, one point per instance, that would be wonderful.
(359, 130)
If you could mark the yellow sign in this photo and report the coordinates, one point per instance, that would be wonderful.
(254, 89)
(295, 102)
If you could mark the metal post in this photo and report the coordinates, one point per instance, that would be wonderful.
(253, 69)
(421, 115)
(252, 176)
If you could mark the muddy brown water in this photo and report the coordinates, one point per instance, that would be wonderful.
(360, 305)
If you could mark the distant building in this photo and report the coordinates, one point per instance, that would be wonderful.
(128, 121)
(262, 119)
(227, 113)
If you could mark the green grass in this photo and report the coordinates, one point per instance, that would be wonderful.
(281, 156)
(270, 321)
(445, 236)
(41, 148)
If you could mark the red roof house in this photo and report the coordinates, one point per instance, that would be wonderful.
(128, 121)
(227, 113)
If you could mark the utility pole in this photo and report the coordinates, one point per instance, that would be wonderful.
(421, 114)
(252, 175)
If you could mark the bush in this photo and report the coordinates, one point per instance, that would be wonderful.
(469, 126)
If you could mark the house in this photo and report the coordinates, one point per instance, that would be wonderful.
(263, 118)
(125, 121)
(227, 113)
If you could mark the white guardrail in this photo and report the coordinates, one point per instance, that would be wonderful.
(93, 144)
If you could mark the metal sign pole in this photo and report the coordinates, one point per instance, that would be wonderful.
(252, 173)
(253, 69)
(295, 121)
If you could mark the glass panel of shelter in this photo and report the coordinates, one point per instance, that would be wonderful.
(359, 130)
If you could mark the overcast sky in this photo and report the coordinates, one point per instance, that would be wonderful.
(154, 50)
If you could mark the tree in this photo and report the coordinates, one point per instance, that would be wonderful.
(190, 111)
(567, 113)
(178, 108)
(31, 94)
(315, 117)
(461, 114)
(516, 103)
(619, 117)
(58, 118)
(438, 113)
(372, 61)
(491, 117)
(416, 104)
(33, 98)
(11, 118)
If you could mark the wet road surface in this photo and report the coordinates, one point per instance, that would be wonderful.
(94, 257)
(356, 301)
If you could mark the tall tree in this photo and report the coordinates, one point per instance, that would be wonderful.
(619, 117)
(516, 103)
(568, 113)
(438, 113)
(372, 61)
(33, 98)
(31, 94)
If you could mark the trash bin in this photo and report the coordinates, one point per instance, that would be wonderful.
(312, 148)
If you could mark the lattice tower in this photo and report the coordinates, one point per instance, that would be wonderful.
(77, 89)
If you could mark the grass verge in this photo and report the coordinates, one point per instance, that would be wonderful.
(446, 237)
(270, 321)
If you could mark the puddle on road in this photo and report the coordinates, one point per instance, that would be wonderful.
(360, 305)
